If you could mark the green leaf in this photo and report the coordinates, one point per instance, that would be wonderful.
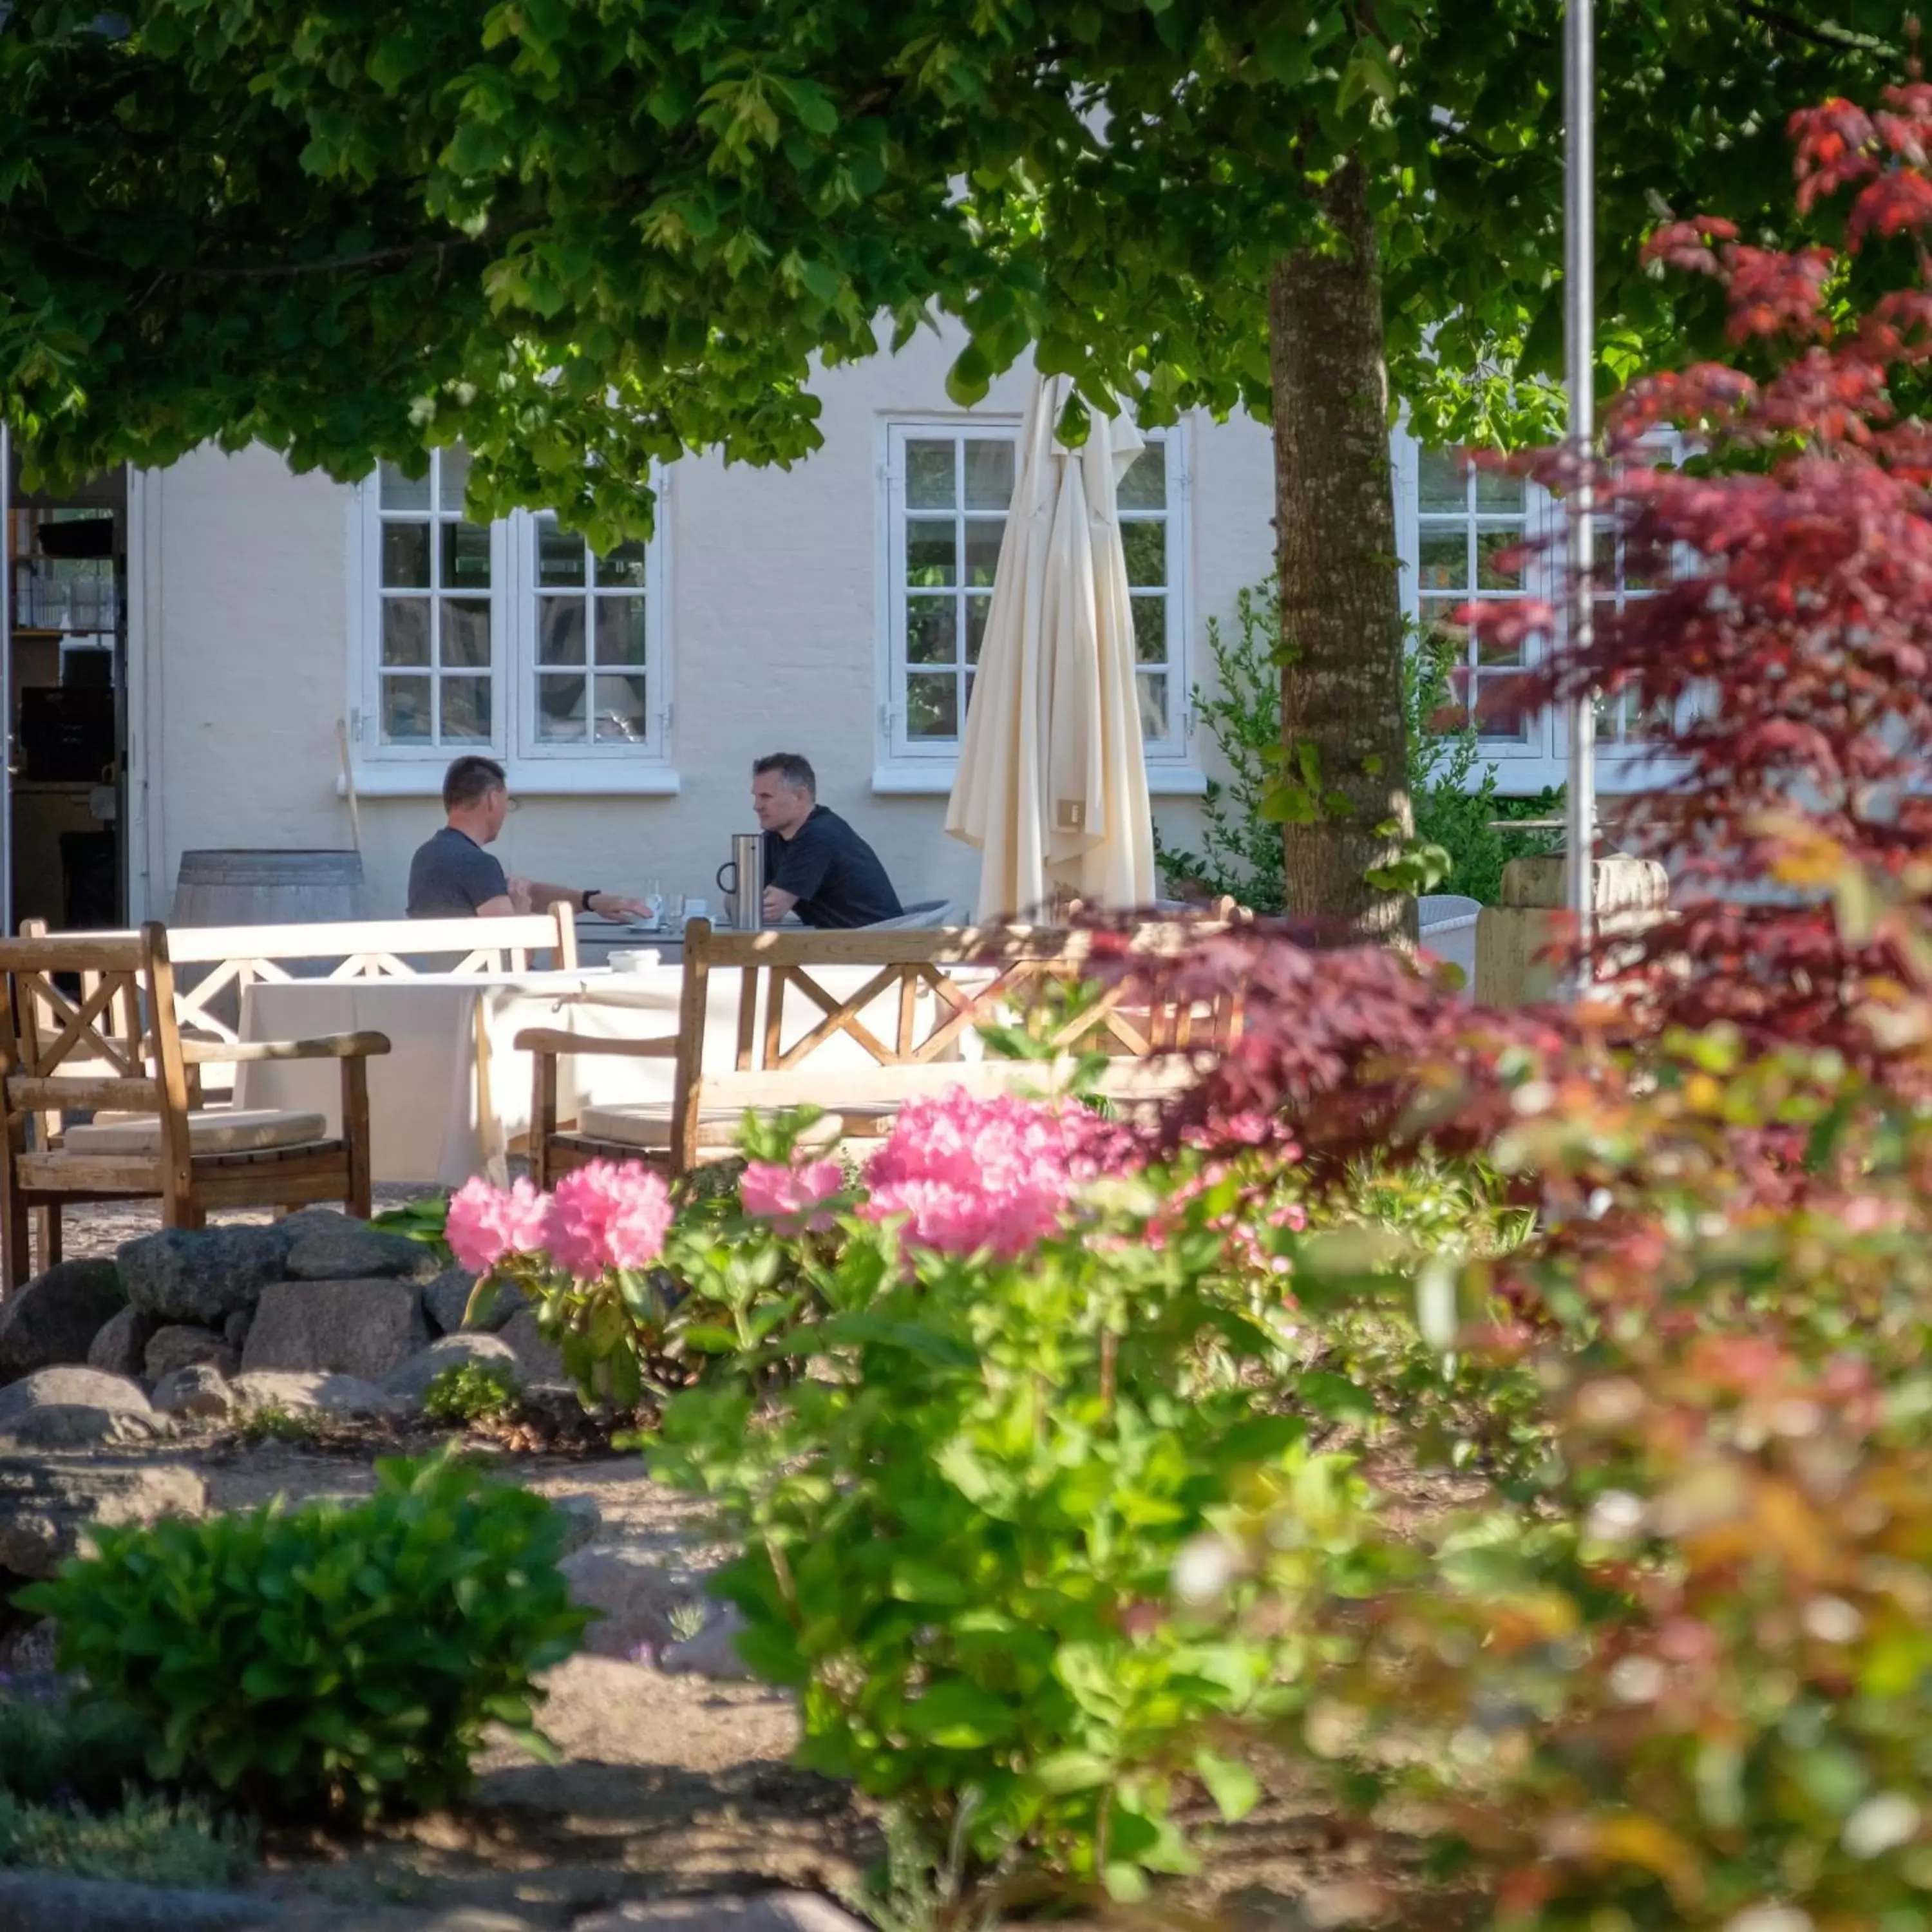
(1234, 1789)
(958, 1716)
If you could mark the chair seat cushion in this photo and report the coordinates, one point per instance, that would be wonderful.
(646, 1124)
(211, 1131)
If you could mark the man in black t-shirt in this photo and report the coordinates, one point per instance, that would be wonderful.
(815, 864)
(453, 877)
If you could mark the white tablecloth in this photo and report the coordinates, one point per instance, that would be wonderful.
(452, 1092)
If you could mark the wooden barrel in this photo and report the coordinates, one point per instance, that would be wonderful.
(255, 888)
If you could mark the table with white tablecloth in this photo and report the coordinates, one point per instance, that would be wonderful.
(452, 1093)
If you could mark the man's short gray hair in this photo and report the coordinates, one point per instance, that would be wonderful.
(796, 772)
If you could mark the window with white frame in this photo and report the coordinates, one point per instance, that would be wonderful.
(513, 636)
(950, 486)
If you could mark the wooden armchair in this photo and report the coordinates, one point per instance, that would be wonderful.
(996, 972)
(116, 1048)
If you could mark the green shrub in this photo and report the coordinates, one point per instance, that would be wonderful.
(331, 1658)
(144, 1840)
(959, 1535)
(420, 1221)
(50, 1748)
(469, 1392)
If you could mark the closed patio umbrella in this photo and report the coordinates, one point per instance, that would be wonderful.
(1051, 785)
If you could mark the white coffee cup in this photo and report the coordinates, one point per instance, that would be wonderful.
(635, 959)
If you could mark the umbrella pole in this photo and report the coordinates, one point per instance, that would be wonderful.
(1579, 359)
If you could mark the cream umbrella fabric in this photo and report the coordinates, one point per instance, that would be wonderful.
(1051, 785)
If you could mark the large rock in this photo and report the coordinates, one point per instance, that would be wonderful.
(179, 1345)
(121, 1348)
(410, 1383)
(200, 1390)
(541, 1361)
(346, 1397)
(350, 1251)
(55, 1317)
(72, 1409)
(202, 1275)
(365, 1328)
(633, 1598)
(712, 1652)
(725, 1911)
(447, 1302)
(36, 1901)
(47, 1502)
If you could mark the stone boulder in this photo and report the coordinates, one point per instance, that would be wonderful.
(72, 1409)
(200, 1390)
(46, 1901)
(121, 1348)
(446, 1301)
(583, 1521)
(47, 1502)
(346, 1397)
(633, 1597)
(712, 1652)
(410, 1383)
(540, 1362)
(180, 1345)
(365, 1328)
(202, 1275)
(55, 1319)
(349, 1251)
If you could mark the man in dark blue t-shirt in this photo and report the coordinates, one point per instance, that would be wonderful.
(452, 876)
(815, 864)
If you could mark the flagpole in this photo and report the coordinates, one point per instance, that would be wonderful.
(1580, 369)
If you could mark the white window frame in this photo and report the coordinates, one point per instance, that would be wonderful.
(534, 767)
(904, 764)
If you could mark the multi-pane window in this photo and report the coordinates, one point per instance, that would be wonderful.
(593, 685)
(512, 636)
(1468, 521)
(950, 489)
(438, 643)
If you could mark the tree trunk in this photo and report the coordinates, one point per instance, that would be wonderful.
(1341, 608)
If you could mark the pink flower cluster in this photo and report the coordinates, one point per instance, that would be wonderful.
(599, 1218)
(792, 1195)
(971, 1174)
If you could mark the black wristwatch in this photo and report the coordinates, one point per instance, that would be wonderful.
(590, 892)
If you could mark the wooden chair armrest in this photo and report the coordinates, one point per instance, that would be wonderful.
(548, 1039)
(325, 1046)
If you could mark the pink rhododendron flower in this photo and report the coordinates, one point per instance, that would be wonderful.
(485, 1224)
(603, 1216)
(789, 1194)
(972, 1174)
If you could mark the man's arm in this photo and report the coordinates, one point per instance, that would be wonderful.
(801, 871)
(779, 902)
(539, 896)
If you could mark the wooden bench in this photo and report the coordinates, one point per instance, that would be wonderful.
(116, 1048)
(1005, 971)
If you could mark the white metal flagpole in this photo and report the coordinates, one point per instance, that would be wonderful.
(1579, 329)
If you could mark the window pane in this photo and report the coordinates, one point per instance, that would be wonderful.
(406, 556)
(466, 556)
(929, 481)
(1490, 545)
(1146, 546)
(407, 717)
(1489, 651)
(623, 569)
(453, 469)
(1445, 559)
(1150, 630)
(560, 630)
(560, 710)
(1495, 491)
(399, 492)
(1152, 687)
(466, 708)
(1438, 621)
(982, 548)
(406, 630)
(1441, 480)
(978, 609)
(932, 704)
(621, 717)
(1144, 486)
(1503, 715)
(989, 474)
(560, 557)
(620, 630)
(931, 558)
(466, 632)
(931, 630)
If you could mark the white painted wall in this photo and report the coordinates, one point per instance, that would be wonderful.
(242, 642)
